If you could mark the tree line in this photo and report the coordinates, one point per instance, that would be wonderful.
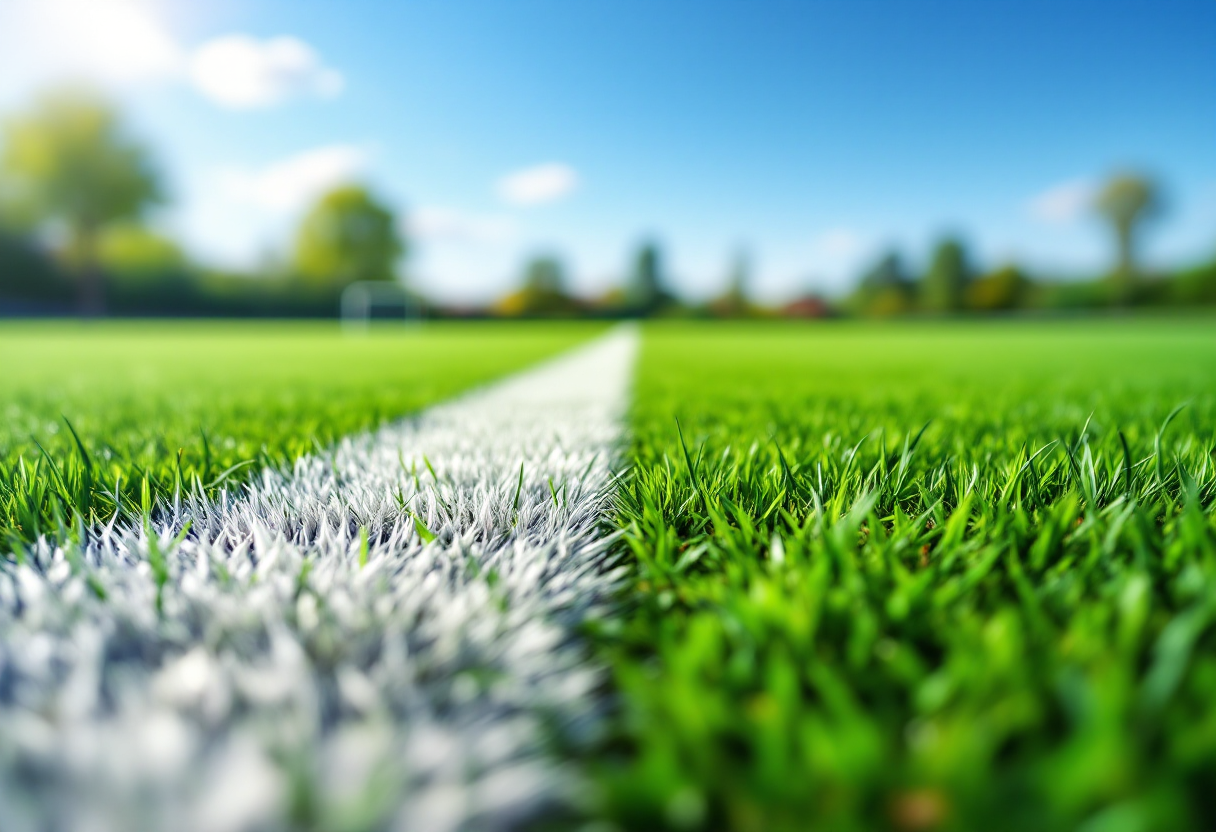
(951, 284)
(77, 190)
(71, 173)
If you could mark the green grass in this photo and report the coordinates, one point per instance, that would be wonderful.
(908, 577)
(181, 404)
(919, 577)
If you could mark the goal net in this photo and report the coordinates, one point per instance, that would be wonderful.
(366, 300)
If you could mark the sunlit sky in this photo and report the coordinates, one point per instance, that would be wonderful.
(811, 135)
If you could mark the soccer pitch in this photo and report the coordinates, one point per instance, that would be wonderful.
(922, 576)
(919, 577)
(169, 402)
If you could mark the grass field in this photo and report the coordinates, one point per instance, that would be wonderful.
(919, 577)
(166, 403)
(912, 577)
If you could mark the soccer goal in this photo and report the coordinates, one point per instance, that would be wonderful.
(366, 300)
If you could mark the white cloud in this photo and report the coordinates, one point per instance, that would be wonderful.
(243, 73)
(1063, 203)
(122, 43)
(108, 42)
(289, 184)
(446, 225)
(539, 184)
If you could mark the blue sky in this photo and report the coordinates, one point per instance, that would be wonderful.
(810, 135)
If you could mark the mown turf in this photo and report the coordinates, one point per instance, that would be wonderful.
(177, 404)
(919, 577)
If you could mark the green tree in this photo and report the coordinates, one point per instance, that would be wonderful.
(1001, 290)
(735, 301)
(542, 290)
(127, 248)
(888, 272)
(1126, 201)
(944, 285)
(348, 235)
(545, 275)
(68, 160)
(885, 288)
(645, 293)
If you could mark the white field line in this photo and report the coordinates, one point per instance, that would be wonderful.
(294, 677)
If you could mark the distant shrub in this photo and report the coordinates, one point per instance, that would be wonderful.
(1003, 289)
(1194, 286)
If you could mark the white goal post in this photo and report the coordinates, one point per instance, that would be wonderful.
(362, 297)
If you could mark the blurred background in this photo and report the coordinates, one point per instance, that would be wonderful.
(703, 159)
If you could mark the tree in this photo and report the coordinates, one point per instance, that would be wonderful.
(1001, 290)
(734, 301)
(348, 235)
(944, 285)
(545, 275)
(69, 160)
(130, 249)
(885, 288)
(1126, 201)
(887, 273)
(542, 290)
(644, 291)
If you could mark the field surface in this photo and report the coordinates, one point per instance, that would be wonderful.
(911, 577)
(919, 577)
(169, 402)
(380, 635)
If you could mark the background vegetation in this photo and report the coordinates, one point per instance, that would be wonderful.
(78, 195)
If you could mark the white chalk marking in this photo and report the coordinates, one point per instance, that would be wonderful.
(382, 638)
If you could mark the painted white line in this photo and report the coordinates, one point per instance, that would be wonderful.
(381, 639)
